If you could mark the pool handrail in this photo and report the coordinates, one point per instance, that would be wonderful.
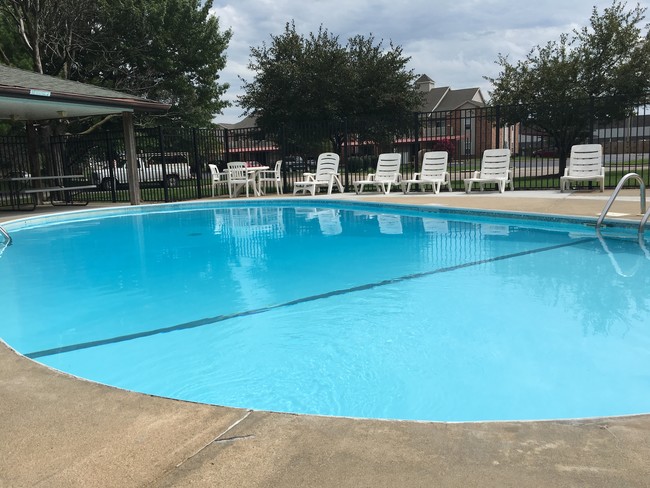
(6, 235)
(609, 203)
(645, 218)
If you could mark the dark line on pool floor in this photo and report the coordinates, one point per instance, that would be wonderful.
(221, 318)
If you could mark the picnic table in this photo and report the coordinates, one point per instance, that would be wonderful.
(61, 189)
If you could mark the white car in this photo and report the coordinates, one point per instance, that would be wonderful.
(176, 168)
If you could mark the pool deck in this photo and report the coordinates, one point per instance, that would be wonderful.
(60, 431)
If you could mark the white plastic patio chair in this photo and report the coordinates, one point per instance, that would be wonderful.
(218, 179)
(495, 168)
(239, 178)
(433, 173)
(273, 177)
(387, 174)
(326, 175)
(585, 164)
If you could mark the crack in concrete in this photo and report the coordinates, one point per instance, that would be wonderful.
(234, 438)
(219, 438)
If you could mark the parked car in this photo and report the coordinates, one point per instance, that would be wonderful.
(176, 168)
(18, 174)
(546, 153)
(169, 158)
(297, 163)
(294, 162)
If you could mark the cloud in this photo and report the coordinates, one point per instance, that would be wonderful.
(455, 42)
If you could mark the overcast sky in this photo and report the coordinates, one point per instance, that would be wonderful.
(454, 42)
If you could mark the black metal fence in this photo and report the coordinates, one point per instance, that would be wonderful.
(173, 163)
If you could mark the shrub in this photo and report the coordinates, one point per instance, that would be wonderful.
(445, 145)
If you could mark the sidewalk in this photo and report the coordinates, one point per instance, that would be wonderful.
(60, 431)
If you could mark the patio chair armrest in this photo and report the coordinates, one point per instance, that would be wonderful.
(477, 174)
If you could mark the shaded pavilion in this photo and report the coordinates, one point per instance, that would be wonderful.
(30, 97)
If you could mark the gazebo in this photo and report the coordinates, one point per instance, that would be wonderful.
(29, 96)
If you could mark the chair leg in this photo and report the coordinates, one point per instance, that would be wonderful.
(339, 184)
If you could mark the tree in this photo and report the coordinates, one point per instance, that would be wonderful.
(170, 51)
(52, 31)
(600, 71)
(166, 50)
(314, 79)
(12, 49)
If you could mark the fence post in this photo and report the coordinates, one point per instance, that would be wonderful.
(283, 144)
(346, 143)
(416, 129)
(198, 166)
(226, 146)
(161, 147)
(111, 168)
(498, 124)
(591, 120)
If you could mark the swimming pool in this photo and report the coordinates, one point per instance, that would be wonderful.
(337, 309)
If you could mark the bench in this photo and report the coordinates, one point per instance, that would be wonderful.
(69, 192)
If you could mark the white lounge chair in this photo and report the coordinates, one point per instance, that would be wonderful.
(495, 168)
(326, 175)
(433, 173)
(239, 178)
(387, 174)
(218, 179)
(585, 164)
(273, 177)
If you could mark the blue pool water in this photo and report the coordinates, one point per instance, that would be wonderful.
(350, 310)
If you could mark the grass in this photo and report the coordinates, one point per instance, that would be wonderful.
(188, 190)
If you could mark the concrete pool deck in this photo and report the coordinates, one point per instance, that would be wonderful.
(60, 431)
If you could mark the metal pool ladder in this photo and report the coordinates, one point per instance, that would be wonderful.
(6, 236)
(609, 203)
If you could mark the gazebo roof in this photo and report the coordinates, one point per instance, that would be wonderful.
(26, 95)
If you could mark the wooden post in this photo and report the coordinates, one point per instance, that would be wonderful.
(131, 158)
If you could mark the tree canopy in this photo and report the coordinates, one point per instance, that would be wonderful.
(314, 78)
(166, 50)
(600, 71)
